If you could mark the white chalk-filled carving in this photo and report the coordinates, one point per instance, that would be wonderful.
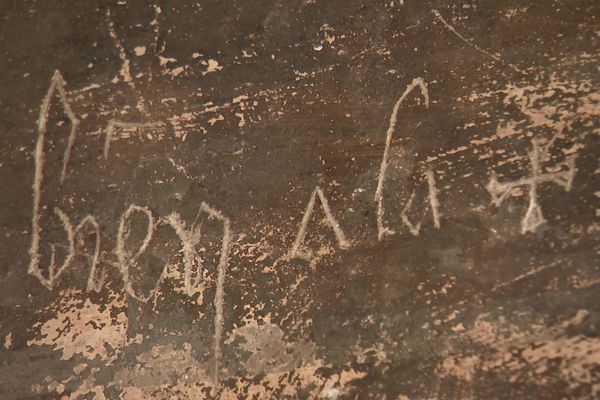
(190, 238)
(382, 230)
(56, 86)
(296, 252)
(220, 289)
(95, 279)
(127, 258)
(433, 204)
(54, 272)
(564, 177)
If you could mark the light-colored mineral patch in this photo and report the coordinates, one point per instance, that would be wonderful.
(84, 329)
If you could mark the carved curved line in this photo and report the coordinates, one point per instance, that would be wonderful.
(126, 260)
(189, 239)
(417, 82)
(56, 83)
(54, 272)
(93, 283)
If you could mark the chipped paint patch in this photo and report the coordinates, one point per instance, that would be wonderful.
(540, 354)
(81, 328)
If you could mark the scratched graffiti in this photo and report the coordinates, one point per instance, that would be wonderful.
(499, 191)
(268, 214)
(533, 217)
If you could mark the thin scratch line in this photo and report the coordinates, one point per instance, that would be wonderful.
(125, 72)
(527, 274)
(181, 169)
(473, 45)
(113, 124)
(156, 25)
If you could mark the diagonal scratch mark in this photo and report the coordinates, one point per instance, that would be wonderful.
(473, 45)
(125, 72)
(528, 274)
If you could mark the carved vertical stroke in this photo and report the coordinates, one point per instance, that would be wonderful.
(56, 85)
(417, 82)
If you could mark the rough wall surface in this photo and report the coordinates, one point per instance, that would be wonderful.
(299, 199)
